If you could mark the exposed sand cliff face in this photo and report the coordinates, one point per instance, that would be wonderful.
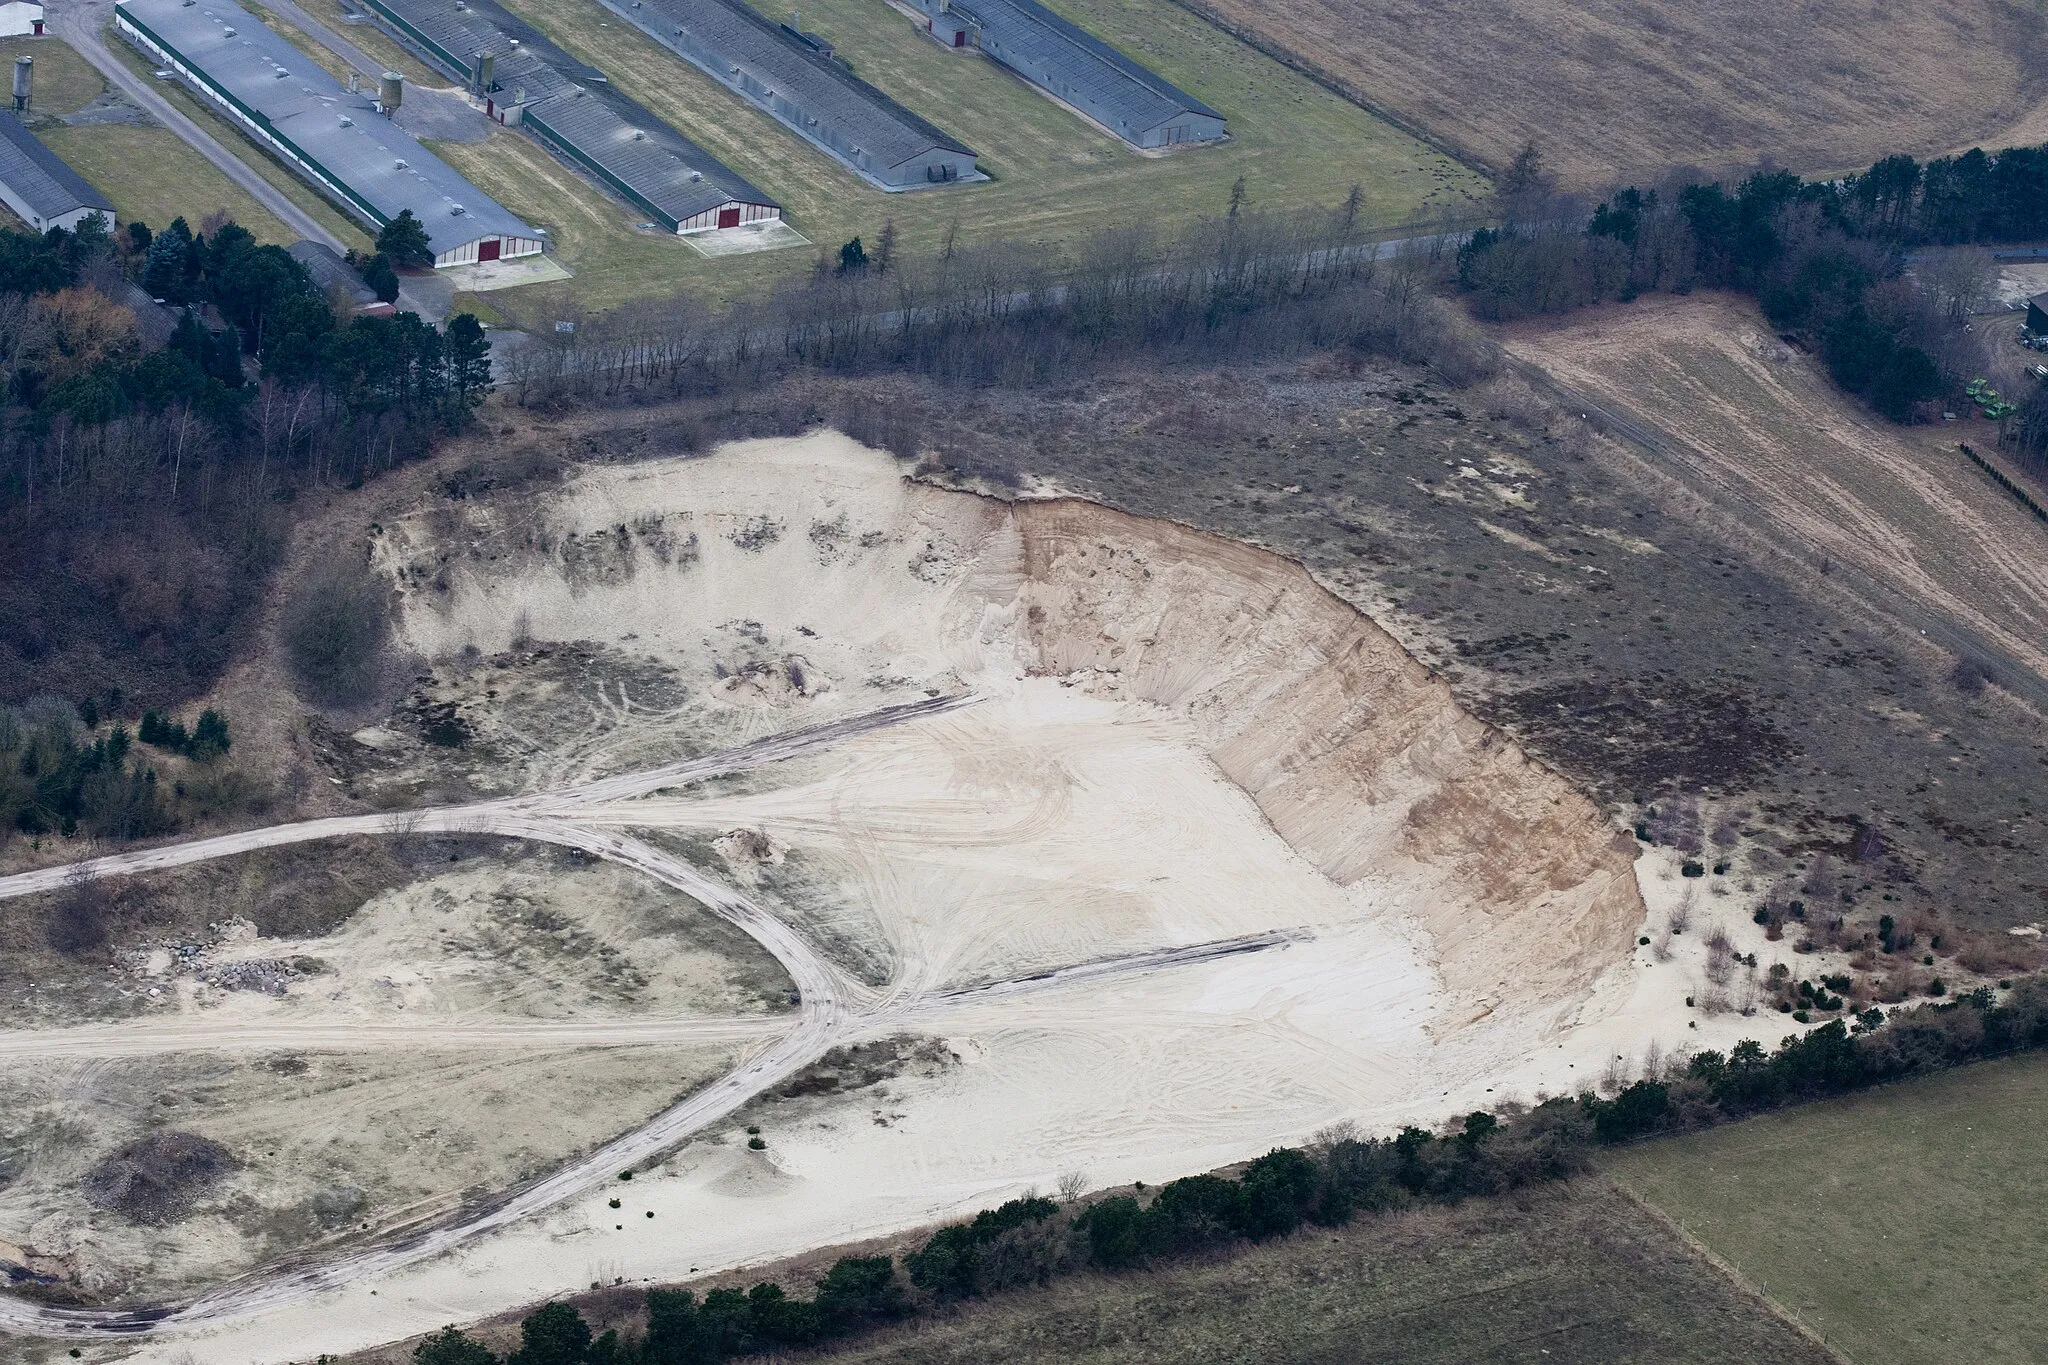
(1178, 740)
(778, 582)
(1361, 760)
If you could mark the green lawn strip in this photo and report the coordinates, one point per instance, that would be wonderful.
(153, 177)
(1903, 1223)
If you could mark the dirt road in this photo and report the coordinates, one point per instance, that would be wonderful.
(1889, 521)
(833, 1009)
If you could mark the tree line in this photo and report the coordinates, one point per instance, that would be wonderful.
(1826, 259)
(145, 489)
(1339, 1177)
(1245, 287)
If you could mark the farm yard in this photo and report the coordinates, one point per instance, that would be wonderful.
(146, 171)
(1899, 1223)
(1613, 91)
(1055, 179)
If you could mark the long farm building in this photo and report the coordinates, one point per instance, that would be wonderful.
(523, 80)
(335, 138)
(794, 77)
(1077, 68)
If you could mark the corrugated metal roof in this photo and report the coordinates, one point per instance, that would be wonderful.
(453, 37)
(882, 128)
(1101, 79)
(663, 168)
(660, 166)
(381, 166)
(40, 176)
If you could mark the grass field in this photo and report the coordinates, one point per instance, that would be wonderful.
(1055, 177)
(1616, 88)
(64, 81)
(172, 196)
(153, 177)
(1908, 1224)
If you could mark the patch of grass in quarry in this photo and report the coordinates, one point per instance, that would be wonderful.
(1900, 1222)
(800, 890)
(298, 891)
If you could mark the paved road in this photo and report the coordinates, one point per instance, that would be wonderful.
(834, 1009)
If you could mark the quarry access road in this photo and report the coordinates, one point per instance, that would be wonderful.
(833, 1009)
(183, 1034)
(477, 817)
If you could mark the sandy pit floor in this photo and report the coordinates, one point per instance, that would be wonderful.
(1177, 740)
(454, 1034)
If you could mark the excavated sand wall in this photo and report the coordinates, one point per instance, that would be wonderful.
(1356, 755)
(817, 552)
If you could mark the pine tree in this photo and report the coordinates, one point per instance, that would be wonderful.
(405, 241)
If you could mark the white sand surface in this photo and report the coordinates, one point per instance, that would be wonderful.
(1180, 740)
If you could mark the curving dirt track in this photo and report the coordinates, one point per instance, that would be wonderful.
(833, 1010)
(1165, 850)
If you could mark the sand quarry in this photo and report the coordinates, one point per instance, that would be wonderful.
(1177, 740)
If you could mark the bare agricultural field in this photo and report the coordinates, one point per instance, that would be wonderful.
(1612, 90)
(1582, 1273)
(1899, 1222)
(1055, 178)
(1760, 429)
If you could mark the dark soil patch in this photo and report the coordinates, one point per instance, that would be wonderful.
(156, 1179)
(1624, 736)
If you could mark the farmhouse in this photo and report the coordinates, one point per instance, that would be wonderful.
(795, 78)
(1142, 108)
(21, 19)
(43, 191)
(332, 136)
(524, 80)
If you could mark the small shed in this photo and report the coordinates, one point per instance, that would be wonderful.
(2037, 315)
(43, 191)
(21, 19)
(331, 274)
